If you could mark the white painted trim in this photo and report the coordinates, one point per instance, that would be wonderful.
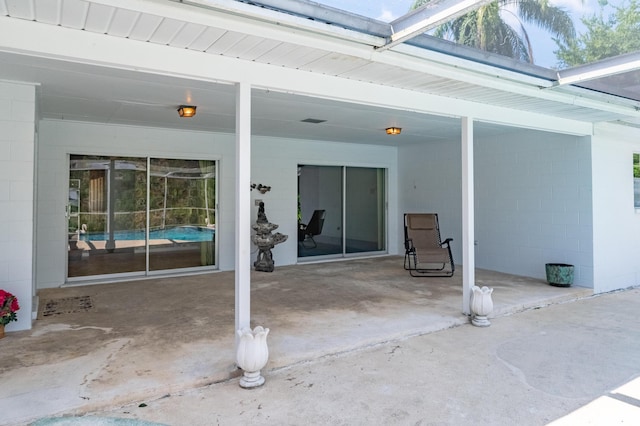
(245, 18)
(604, 68)
(430, 16)
(468, 217)
(261, 22)
(243, 207)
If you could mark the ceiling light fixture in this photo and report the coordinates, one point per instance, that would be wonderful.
(186, 111)
(393, 130)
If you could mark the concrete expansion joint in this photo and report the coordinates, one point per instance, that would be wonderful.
(347, 352)
(517, 310)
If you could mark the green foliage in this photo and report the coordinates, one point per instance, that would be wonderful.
(486, 29)
(636, 165)
(605, 37)
(8, 307)
(176, 196)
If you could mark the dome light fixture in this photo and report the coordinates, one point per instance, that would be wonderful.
(187, 111)
(393, 130)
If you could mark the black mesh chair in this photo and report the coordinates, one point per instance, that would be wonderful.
(311, 229)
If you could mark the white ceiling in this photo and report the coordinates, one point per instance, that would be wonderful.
(78, 92)
(74, 91)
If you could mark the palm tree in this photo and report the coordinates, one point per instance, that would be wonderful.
(486, 29)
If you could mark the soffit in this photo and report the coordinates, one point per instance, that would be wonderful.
(108, 17)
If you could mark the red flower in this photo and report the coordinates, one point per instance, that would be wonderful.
(8, 307)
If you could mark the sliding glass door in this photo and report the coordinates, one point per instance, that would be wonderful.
(136, 215)
(341, 210)
(182, 216)
(109, 199)
(320, 190)
(364, 210)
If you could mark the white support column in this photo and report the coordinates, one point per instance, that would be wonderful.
(243, 206)
(468, 234)
(17, 197)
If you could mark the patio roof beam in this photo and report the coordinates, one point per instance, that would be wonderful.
(605, 68)
(427, 17)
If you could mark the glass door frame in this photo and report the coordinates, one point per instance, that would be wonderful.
(384, 233)
(122, 276)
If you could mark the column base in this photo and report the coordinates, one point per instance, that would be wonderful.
(480, 321)
(251, 379)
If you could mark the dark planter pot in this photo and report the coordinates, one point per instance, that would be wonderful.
(559, 274)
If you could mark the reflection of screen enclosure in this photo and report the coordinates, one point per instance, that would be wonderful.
(135, 215)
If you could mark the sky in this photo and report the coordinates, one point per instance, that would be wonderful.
(388, 10)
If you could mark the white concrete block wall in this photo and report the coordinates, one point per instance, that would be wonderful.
(284, 155)
(532, 199)
(17, 145)
(58, 139)
(616, 233)
(430, 181)
(533, 203)
(533, 193)
(274, 163)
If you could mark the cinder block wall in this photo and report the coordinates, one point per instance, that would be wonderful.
(616, 222)
(274, 162)
(17, 147)
(533, 202)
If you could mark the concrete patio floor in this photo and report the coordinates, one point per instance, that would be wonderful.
(148, 338)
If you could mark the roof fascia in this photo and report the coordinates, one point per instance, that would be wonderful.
(255, 12)
(245, 17)
(452, 58)
(430, 54)
(330, 15)
(306, 32)
(495, 78)
(334, 39)
(476, 56)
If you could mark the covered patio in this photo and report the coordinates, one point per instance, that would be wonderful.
(271, 99)
(95, 346)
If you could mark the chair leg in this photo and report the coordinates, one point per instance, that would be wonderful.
(431, 272)
(309, 237)
(407, 260)
(411, 265)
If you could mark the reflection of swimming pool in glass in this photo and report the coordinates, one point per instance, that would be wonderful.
(179, 233)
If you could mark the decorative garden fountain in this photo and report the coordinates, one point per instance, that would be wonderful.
(265, 241)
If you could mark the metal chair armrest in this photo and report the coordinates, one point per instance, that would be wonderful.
(408, 246)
